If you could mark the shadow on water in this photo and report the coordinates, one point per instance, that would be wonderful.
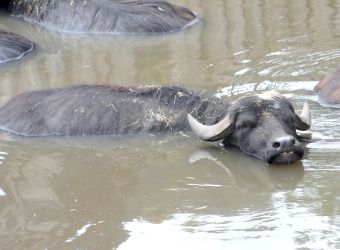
(38, 205)
(245, 170)
(173, 192)
(77, 190)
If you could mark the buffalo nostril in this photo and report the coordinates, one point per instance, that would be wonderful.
(284, 143)
(276, 144)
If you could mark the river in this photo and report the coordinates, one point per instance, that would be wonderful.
(174, 191)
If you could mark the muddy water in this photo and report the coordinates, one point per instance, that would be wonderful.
(172, 191)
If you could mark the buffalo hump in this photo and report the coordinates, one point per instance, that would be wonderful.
(13, 46)
(105, 16)
(99, 110)
(328, 89)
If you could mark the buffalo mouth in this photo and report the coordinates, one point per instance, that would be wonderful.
(286, 157)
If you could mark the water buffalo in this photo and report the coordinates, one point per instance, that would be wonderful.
(328, 89)
(105, 16)
(13, 46)
(260, 125)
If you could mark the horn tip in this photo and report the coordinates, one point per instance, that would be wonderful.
(306, 112)
(305, 118)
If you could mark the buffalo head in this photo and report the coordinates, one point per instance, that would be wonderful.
(264, 126)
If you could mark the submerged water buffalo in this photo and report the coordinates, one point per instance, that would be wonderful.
(105, 16)
(263, 126)
(13, 46)
(328, 90)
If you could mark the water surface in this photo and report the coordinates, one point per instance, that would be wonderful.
(173, 191)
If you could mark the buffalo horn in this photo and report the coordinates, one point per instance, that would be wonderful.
(213, 132)
(304, 119)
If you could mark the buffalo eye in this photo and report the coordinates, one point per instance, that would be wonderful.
(290, 121)
(241, 126)
(244, 125)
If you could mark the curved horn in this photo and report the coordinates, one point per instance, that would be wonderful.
(213, 132)
(304, 120)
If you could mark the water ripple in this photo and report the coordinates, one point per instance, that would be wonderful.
(292, 62)
(281, 228)
(288, 86)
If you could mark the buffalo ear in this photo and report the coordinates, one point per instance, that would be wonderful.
(213, 132)
(304, 119)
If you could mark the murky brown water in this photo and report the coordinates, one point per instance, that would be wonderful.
(172, 191)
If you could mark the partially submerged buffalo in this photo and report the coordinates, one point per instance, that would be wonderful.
(13, 46)
(263, 126)
(105, 16)
(328, 90)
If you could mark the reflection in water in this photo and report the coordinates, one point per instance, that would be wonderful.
(76, 190)
(46, 200)
(251, 45)
(325, 145)
(2, 192)
(81, 231)
(280, 222)
(241, 168)
(263, 229)
(112, 192)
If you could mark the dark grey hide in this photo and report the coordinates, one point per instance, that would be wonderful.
(13, 46)
(105, 16)
(265, 127)
(262, 127)
(103, 110)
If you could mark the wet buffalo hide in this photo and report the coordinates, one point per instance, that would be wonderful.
(328, 89)
(105, 16)
(13, 46)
